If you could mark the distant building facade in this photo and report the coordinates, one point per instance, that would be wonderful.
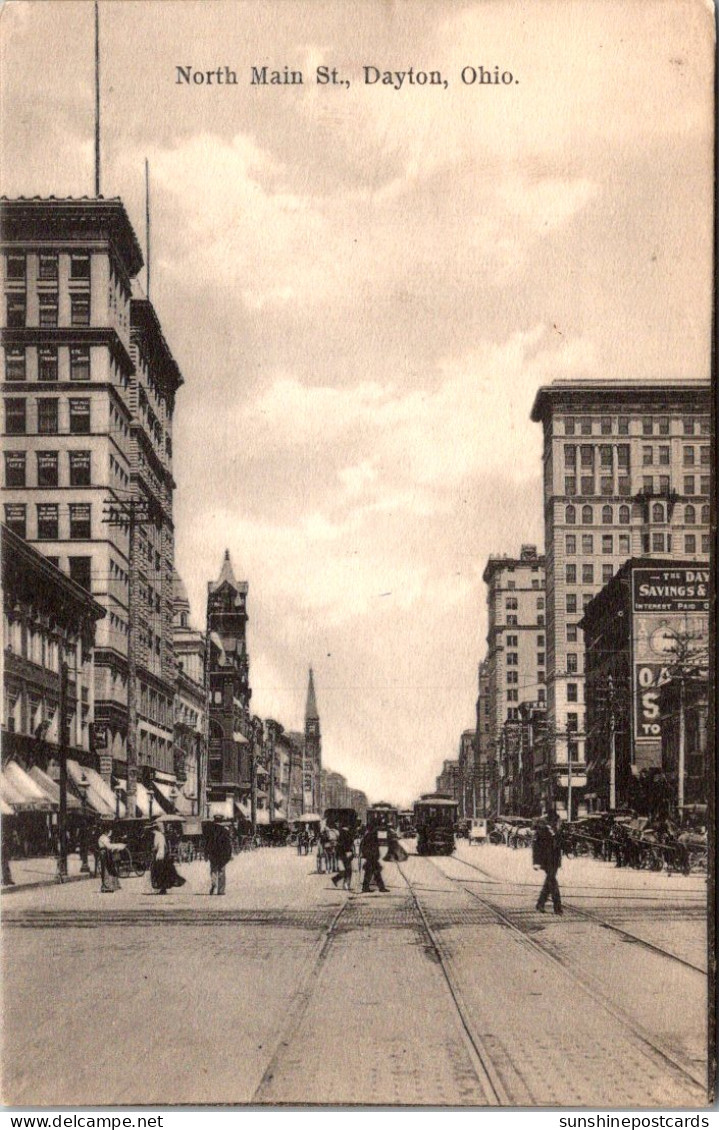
(312, 751)
(448, 780)
(626, 473)
(516, 657)
(190, 722)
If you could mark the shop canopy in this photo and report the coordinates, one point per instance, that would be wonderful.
(5, 809)
(169, 802)
(18, 789)
(100, 797)
(52, 789)
(144, 801)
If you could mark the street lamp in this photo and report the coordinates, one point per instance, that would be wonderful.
(118, 792)
(82, 787)
(150, 801)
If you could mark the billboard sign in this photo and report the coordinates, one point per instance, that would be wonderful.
(668, 589)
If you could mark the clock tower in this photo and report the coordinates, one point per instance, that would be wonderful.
(313, 750)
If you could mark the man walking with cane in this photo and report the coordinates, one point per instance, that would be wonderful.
(547, 856)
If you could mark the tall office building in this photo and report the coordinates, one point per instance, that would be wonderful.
(626, 474)
(89, 386)
(516, 656)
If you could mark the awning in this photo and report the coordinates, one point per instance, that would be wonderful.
(279, 796)
(221, 808)
(262, 816)
(262, 795)
(178, 803)
(52, 789)
(5, 809)
(239, 738)
(18, 789)
(280, 813)
(243, 809)
(144, 800)
(99, 796)
(262, 772)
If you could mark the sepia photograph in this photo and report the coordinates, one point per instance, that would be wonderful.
(358, 543)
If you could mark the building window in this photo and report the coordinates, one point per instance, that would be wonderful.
(47, 469)
(657, 512)
(572, 665)
(623, 425)
(647, 428)
(572, 695)
(688, 456)
(571, 633)
(690, 516)
(15, 417)
(607, 516)
(704, 484)
(540, 641)
(511, 602)
(512, 641)
(79, 417)
(587, 456)
(47, 521)
(571, 575)
(663, 425)
(511, 584)
(585, 425)
(647, 456)
(664, 456)
(15, 364)
(14, 468)
(645, 543)
(81, 571)
(705, 543)
(690, 543)
(15, 267)
(624, 515)
(512, 659)
(689, 482)
(648, 484)
(47, 307)
(79, 468)
(47, 268)
(512, 677)
(587, 515)
(540, 602)
(587, 484)
(570, 515)
(587, 543)
(624, 545)
(512, 619)
(16, 518)
(570, 541)
(664, 484)
(704, 427)
(540, 659)
(512, 696)
(624, 485)
(571, 602)
(704, 456)
(79, 364)
(80, 521)
(79, 266)
(587, 573)
(606, 426)
(47, 364)
(570, 455)
(569, 425)
(587, 599)
(570, 485)
(607, 574)
(47, 417)
(705, 515)
(540, 620)
(657, 543)
(688, 427)
(79, 309)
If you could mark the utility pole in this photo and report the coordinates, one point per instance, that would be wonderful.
(129, 515)
(612, 749)
(271, 744)
(62, 813)
(97, 99)
(682, 744)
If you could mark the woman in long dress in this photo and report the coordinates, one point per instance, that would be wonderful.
(163, 873)
(108, 868)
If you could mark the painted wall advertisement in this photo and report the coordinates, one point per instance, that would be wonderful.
(668, 603)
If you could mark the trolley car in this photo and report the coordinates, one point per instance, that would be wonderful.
(435, 817)
(341, 818)
(382, 816)
(406, 822)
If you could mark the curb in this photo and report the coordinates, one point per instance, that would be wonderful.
(54, 882)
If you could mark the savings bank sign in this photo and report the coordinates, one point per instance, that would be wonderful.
(665, 601)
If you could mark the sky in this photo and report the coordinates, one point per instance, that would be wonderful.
(364, 287)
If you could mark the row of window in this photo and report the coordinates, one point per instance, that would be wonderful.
(650, 425)
(155, 706)
(587, 486)
(48, 520)
(48, 309)
(16, 266)
(47, 363)
(588, 455)
(48, 416)
(659, 513)
(512, 620)
(48, 463)
(513, 641)
(588, 574)
(513, 584)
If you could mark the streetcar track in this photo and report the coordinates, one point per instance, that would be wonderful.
(586, 914)
(481, 1061)
(586, 983)
(299, 1005)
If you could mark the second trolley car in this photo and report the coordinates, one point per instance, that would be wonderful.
(435, 817)
(382, 816)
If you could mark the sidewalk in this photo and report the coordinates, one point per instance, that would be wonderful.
(42, 872)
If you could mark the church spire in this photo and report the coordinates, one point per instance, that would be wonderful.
(311, 708)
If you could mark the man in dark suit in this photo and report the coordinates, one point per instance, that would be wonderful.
(547, 856)
(369, 850)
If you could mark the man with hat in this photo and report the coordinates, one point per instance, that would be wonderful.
(547, 857)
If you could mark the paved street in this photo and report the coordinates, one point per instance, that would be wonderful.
(449, 990)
